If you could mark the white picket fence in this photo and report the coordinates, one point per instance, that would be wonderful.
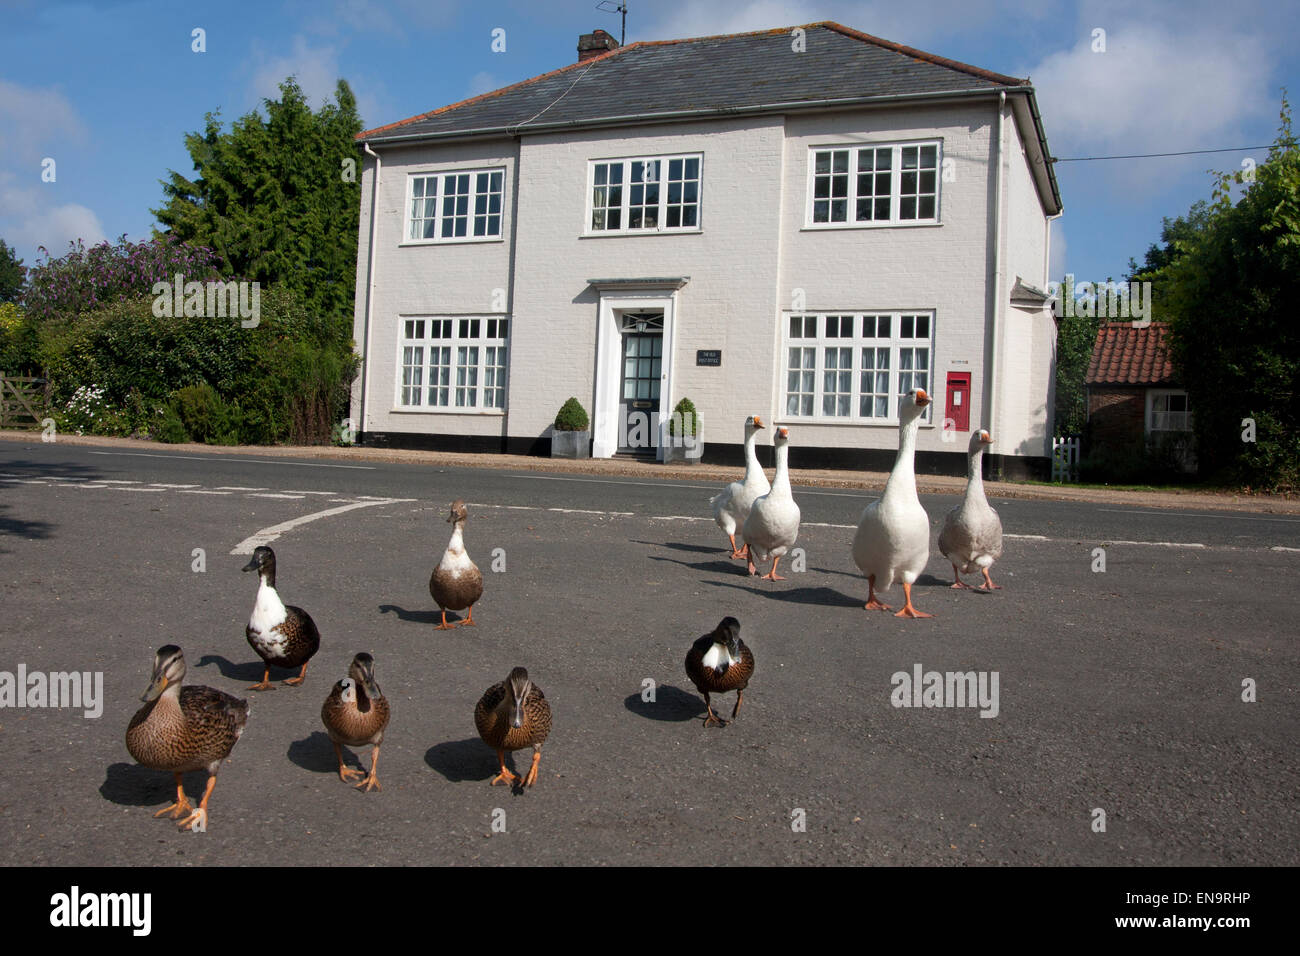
(1065, 458)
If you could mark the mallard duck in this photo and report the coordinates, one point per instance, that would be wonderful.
(893, 537)
(772, 527)
(731, 505)
(513, 715)
(456, 583)
(282, 635)
(972, 532)
(182, 729)
(355, 714)
(720, 662)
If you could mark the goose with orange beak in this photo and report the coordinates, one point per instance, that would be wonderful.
(972, 532)
(893, 537)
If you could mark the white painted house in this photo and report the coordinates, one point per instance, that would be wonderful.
(799, 223)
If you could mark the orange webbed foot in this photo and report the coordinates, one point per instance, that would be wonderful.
(176, 810)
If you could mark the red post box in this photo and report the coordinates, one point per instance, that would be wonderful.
(957, 408)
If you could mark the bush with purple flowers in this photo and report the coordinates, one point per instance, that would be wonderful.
(84, 279)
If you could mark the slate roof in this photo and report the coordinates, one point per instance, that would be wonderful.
(1124, 355)
(718, 75)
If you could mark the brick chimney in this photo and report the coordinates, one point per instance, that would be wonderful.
(594, 44)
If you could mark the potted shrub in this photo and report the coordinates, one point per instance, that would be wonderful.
(571, 435)
(684, 440)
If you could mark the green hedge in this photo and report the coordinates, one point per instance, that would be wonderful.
(207, 380)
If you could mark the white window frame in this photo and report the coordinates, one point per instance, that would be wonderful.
(895, 186)
(820, 342)
(1152, 395)
(625, 204)
(463, 383)
(442, 176)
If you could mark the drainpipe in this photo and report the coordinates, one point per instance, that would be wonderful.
(370, 283)
(993, 401)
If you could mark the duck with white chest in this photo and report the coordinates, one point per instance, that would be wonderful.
(282, 635)
(718, 663)
(456, 583)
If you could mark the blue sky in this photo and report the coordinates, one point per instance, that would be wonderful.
(108, 88)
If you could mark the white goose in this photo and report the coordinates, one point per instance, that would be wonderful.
(893, 538)
(972, 532)
(731, 505)
(772, 527)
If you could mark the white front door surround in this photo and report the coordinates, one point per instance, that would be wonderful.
(617, 296)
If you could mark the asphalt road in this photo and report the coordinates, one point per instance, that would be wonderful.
(1119, 691)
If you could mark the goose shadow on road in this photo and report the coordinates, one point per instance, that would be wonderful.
(681, 546)
(824, 596)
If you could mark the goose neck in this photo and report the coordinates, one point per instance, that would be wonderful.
(974, 477)
(781, 480)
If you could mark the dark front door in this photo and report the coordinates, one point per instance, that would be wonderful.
(643, 344)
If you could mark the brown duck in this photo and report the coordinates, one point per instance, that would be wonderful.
(720, 662)
(282, 635)
(513, 715)
(456, 583)
(182, 729)
(355, 714)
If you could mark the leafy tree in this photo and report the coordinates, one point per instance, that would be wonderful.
(12, 274)
(1230, 277)
(277, 198)
(1075, 336)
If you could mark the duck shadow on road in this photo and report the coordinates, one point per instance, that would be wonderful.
(251, 671)
(670, 703)
(418, 617)
(468, 759)
(131, 785)
(316, 753)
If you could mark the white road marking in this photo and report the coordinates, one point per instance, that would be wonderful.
(272, 494)
(1027, 537)
(201, 492)
(295, 491)
(1196, 514)
(1162, 544)
(611, 481)
(250, 461)
(267, 535)
(584, 511)
(159, 484)
(117, 481)
(1278, 547)
(128, 488)
(238, 488)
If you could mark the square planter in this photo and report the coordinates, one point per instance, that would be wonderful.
(570, 444)
(683, 450)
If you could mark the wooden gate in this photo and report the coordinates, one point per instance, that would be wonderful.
(23, 401)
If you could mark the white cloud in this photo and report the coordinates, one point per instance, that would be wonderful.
(483, 82)
(35, 123)
(316, 68)
(1154, 90)
(913, 24)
